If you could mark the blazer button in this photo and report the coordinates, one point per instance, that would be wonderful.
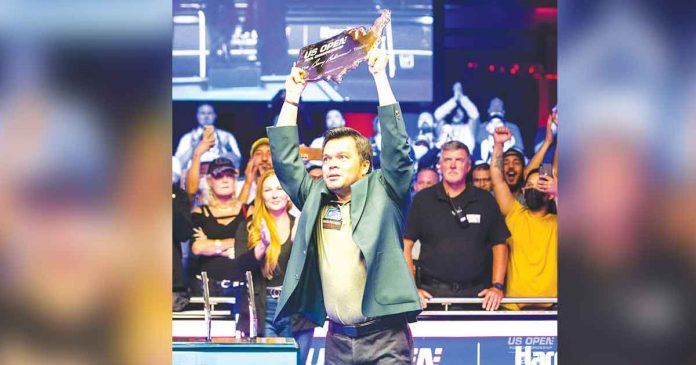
(297, 276)
(304, 252)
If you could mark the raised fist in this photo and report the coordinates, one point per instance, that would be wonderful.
(295, 84)
(501, 135)
(377, 61)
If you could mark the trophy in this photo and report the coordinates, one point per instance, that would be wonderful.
(331, 58)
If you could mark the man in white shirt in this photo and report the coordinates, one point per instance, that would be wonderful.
(225, 143)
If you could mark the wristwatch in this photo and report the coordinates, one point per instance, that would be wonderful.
(498, 286)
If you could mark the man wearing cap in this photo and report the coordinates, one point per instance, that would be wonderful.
(259, 162)
(347, 261)
(221, 143)
(513, 172)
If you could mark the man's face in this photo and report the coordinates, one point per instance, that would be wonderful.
(262, 158)
(334, 119)
(454, 165)
(206, 115)
(342, 165)
(425, 179)
(482, 179)
(512, 169)
(496, 107)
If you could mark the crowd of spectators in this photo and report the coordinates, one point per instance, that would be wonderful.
(482, 222)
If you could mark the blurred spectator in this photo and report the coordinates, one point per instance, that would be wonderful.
(425, 178)
(182, 230)
(427, 130)
(176, 171)
(273, 110)
(496, 118)
(457, 119)
(259, 162)
(195, 175)
(481, 177)
(533, 266)
(541, 135)
(271, 234)
(549, 139)
(223, 143)
(376, 142)
(457, 227)
(334, 119)
(315, 171)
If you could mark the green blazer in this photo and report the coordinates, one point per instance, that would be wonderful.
(379, 203)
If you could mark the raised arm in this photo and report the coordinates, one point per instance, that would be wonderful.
(538, 157)
(294, 85)
(193, 175)
(184, 151)
(554, 118)
(284, 139)
(397, 165)
(377, 62)
(502, 192)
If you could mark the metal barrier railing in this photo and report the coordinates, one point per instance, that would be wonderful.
(446, 302)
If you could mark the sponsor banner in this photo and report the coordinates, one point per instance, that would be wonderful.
(514, 350)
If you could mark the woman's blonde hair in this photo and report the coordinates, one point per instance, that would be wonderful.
(261, 213)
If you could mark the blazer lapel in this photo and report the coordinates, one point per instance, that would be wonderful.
(358, 198)
(313, 207)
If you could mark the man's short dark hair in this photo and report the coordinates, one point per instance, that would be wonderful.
(362, 144)
(516, 153)
(455, 145)
(482, 166)
(426, 168)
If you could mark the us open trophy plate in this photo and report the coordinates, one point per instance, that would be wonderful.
(332, 58)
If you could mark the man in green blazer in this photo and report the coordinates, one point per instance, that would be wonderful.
(347, 260)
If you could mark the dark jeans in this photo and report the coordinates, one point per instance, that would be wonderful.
(385, 347)
(284, 329)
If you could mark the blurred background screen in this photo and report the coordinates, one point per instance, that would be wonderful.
(241, 50)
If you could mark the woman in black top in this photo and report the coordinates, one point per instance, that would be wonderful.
(217, 225)
(221, 240)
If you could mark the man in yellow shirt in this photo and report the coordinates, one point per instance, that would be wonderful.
(532, 265)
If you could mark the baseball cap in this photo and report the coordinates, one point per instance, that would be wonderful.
(259, 142)
(515, 152)
(220, 165)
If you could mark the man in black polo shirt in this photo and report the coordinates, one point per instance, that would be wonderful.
(458, 226)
